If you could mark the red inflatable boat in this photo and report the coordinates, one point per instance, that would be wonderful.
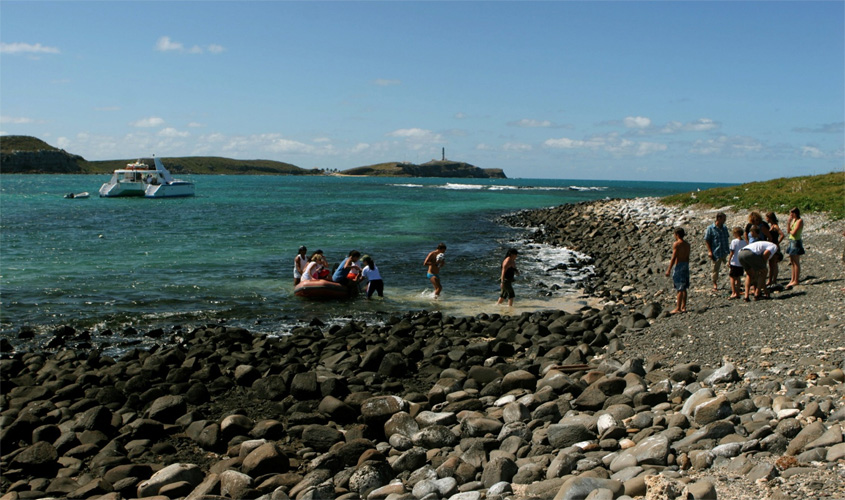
(321, 290)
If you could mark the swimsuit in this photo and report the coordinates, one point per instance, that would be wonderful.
(429, 275)
(680, 277)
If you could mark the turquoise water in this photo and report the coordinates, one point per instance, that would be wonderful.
(227, 254)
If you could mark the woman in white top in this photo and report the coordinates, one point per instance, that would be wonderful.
(371, 272)
(312, 270)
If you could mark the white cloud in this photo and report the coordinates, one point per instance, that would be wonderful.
(611, 143)
(460, 116)
(637, 122)
(811, 152)
(360, 147)
(516, 146)
(288, 146)
(383, 82)
(17, 120)
(826, 128)
(322, 140)
(165, 44)
(531, 123)
(195, 125)
(251, 145)
(702, 125)
(728, 146)
(647, 148)
(26, 48)
(172, 132)
(416, 134)
(417, 138)
(152, 121)
(567, 143)
(483, 147)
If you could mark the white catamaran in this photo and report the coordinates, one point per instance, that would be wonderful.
(141, 179)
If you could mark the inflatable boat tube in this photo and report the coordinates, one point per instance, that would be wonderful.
(321, 290)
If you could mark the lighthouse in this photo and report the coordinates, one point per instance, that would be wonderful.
(444, 154)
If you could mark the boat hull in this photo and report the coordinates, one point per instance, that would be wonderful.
(122, 189)
(172, 190)
(321, 290)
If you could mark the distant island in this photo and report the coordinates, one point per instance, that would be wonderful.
(20, 154)
(433, 168)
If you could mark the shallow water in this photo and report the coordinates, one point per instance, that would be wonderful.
(227, 254)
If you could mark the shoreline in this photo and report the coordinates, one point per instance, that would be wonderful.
(618, 397)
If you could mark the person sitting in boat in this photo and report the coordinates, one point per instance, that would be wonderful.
(313, 270)
(324, 272)
(341, 274)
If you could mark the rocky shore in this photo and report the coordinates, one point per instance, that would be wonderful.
(732, 400)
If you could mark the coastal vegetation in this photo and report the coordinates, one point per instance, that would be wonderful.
(812, 193)
(29, 155)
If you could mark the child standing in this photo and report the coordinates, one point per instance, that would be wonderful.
(736, 272)
(509, 272)
(680, 260)
(371, 272)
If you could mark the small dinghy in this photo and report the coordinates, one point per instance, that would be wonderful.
(83, 194)
(322, 290)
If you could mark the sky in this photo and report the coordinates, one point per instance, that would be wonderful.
(665, 91)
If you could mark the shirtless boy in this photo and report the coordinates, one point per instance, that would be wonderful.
(680, 259)
(434, 266)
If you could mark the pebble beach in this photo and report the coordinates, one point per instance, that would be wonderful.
(619, 400)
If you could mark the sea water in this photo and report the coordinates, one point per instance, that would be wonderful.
(226, 255)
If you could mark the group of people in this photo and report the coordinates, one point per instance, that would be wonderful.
(349, 272)
(754, 252)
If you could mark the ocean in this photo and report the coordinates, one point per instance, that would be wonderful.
(226, 255)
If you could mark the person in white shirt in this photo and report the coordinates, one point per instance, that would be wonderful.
(736, 272)
(754, 259)
(374, 281)
(299, 263)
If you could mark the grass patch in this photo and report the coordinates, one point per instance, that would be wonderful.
(813, 193)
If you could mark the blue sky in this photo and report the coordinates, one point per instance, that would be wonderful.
(699, 91)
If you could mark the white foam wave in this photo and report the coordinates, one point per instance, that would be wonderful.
(451, 185)
(556, 270)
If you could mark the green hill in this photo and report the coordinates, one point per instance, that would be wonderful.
(12, 143)
(814, 193)
(208, 165)
(434, 168)
(20, 154)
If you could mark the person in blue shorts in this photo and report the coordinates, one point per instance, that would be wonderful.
(680, 261)
(434, 261)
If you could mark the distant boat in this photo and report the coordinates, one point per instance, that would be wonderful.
(141, 179)
(83, 194)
